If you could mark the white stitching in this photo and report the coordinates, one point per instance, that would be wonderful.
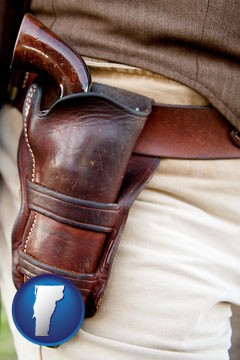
(26, 113)
(30, 232)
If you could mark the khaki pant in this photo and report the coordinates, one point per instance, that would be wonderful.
(177, 269)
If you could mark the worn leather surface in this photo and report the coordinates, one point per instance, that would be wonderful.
(188, 132)
(77, 185)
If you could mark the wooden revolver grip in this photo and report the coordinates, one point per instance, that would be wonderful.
(39, 50)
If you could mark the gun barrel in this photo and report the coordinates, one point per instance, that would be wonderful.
(39, 50)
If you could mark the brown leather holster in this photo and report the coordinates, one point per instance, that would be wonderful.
(78, 180)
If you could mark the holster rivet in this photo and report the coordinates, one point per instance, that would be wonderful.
(235, 136)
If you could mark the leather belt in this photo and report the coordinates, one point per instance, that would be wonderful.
(186, 132)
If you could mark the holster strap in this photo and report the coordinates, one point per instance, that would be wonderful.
(186, 132)
(84, 214)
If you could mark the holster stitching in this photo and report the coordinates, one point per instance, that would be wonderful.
(27, 107)
(26, 113)
(30, 232)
